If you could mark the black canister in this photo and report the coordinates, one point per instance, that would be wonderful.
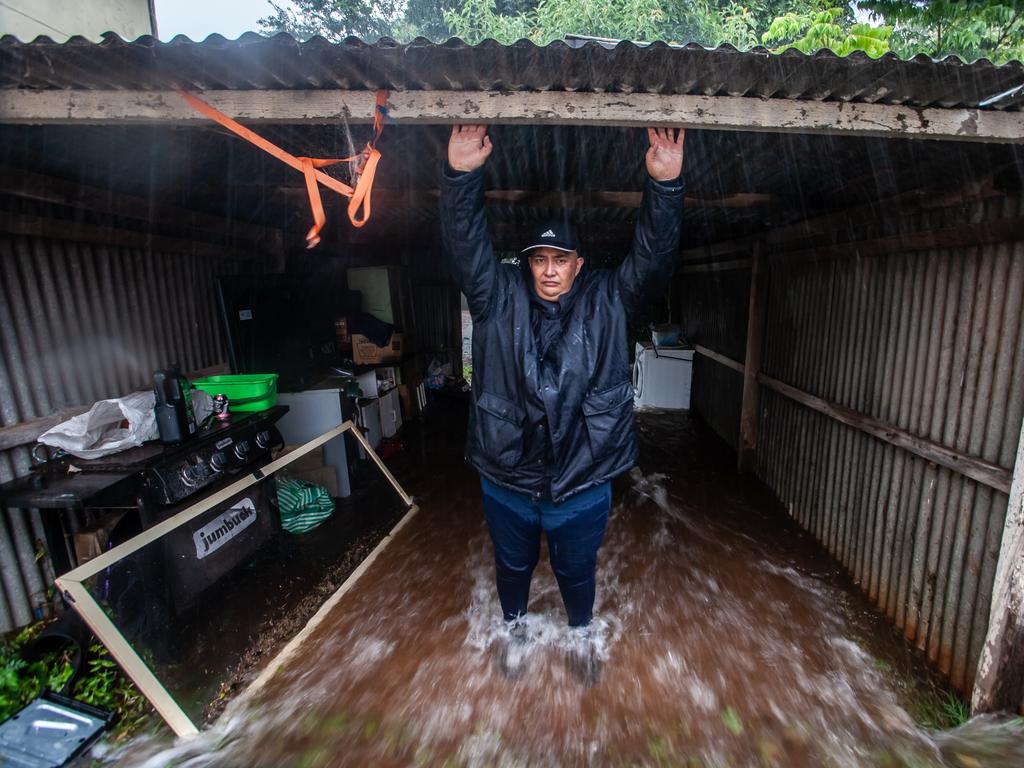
(174, 416)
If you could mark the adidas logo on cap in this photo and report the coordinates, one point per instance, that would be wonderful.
(549, 233)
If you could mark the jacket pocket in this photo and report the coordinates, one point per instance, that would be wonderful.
(500, 429)
(609, 418)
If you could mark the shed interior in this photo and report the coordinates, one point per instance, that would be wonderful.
(890, 276)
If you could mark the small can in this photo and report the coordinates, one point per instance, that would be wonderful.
(220, 407)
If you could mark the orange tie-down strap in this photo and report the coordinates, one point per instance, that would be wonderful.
(359, 205)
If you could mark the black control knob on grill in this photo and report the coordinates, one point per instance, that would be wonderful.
(219, 461)
(242, 450)
(263, 438)
(190, 476)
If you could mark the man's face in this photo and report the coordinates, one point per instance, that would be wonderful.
(553, 271)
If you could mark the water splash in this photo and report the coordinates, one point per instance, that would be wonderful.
(722, 642)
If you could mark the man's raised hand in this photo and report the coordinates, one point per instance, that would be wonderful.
(469, 147)
(665, 157)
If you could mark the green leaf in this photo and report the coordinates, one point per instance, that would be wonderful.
(732, 721)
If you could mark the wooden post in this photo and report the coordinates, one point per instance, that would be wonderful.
(999, 684)
(755, 343)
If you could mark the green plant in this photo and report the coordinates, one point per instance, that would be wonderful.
(955, 710)
(731, 720)
(101, 684)
(971, 29)
(942, 711)
(827, 27)
(22, 680)
(968, 28)
(105, 685)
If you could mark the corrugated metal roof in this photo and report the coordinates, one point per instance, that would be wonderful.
(745, 182)
(280, 62)
(740, 182)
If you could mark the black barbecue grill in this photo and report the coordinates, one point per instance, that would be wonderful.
(153, 482)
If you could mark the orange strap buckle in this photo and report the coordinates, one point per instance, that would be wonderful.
(359, 206)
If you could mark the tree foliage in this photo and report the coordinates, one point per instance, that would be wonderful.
(808, 25)
(553, 19)
(971, 29)
(335, 19)
(709, 22)
(827, 27)
(369, 19)
(968, 28)
(425, 18)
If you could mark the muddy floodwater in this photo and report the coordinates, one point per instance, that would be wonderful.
(726, 638)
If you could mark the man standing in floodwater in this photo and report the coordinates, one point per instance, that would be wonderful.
(551, 420)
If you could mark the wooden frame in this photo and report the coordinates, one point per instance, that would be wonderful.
(750, 407)
(61, 229)
(823, 227)
(999, 684)
(719, 358)
(71, 584)
(979, 470)
(33, 186)
(727, 113)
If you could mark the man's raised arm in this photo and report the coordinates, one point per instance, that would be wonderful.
(648, 267)
(464, 236)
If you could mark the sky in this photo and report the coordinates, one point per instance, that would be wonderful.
(199, 18)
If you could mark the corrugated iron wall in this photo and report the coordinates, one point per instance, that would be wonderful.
(80, 323)
(713, 307)
(931, 342)
(716, 395)
(436, 301)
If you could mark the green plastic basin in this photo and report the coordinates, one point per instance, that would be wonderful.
(245, 391)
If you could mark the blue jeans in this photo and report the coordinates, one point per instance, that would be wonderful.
(575, 529)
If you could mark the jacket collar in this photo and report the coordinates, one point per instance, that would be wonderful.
(564, 302)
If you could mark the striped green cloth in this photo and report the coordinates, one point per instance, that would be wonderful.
(303, 505)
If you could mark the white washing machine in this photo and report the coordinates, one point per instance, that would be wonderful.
(662, 377)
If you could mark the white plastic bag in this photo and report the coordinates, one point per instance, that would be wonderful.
(102, 430)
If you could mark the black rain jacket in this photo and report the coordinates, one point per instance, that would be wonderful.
(555, 429)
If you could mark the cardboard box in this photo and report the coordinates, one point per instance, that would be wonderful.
(341, 333)
(365, 352)
(312, 460)
(325, 476)
(92, 541)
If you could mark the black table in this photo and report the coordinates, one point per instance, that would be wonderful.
(114, 481)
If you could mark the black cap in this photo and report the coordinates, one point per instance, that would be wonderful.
(559, 234)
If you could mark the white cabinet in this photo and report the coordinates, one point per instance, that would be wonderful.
(390, 413)
(662, 377)
(368, 420)
(310, 414)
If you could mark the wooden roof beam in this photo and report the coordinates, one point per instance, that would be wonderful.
(524, 198)
(724, 113)
(65, 192)
(827, 225)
